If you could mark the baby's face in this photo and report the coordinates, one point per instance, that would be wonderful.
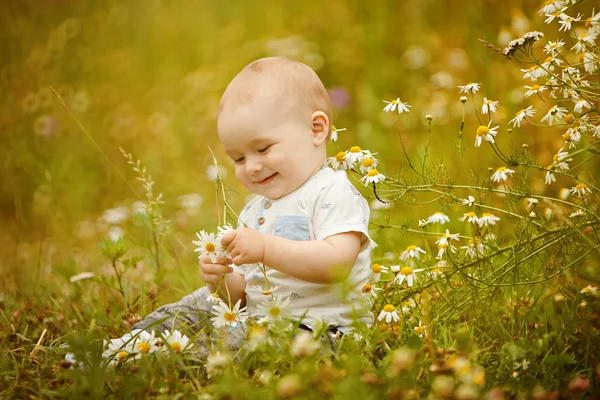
(271, 144)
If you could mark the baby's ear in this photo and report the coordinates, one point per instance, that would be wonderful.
(319, 127)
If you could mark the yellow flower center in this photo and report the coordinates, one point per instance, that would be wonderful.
(582, 58)
(569, 118)
(548, 59)
(520, 112)
(486, 215)
(340, 156)
(373, 172)
(389, 308)
(549, 2)
(266, 292)
(532, 68)
(407, 303)
(535, 87)
(376, 268)
(230, 316)
(483, 130)
(210, 247)
(367, 288)
(550, 167)
(567, 137)
(501, 169)
(443, 246)
(176, 347)
(471, 242)
(588, 22)
(275, 311)
(144, 347)
(420, 330)
(581, 186)
(355, 149)
(411, 247)
(122, 355)
(470, 214)
(367, 162)
(406, 271)
(333, 128)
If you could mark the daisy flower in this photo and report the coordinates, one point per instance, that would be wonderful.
(531, 202)
(177, 341)
(420, 330)
(552, 47)
(389, 313)
(355, 154)
(473, 249)
(446, 237)
(471, 217)
(377, 269)
(589, 289)
(146, 342)
(535, 89)
(485, 133)
(549, 175)
(554, 112)
(369, 292)
(580, 190)
(338, 162)
(334, 133)
(560, 160)
(524, 365)
(408, 274)
(527, 112)
(533, 73)
(408, 304)
(225, 316)
(368, 163)
(411, 252)
(468, 201)
(443, 248)
(373, 176)
(119, 350)
(438, 217)
(208, 245)
(262, 290)
(214, 298)
(566, 21)
(396, 105)
(487, 219)
(572, 137)
(555, 14)
(501, 174)
(222, 230)
(489, 106)
(551, 6)
(469, 88)
(580, 104)
(274, 308)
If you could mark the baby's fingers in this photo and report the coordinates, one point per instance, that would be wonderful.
(220, 260)
(216, 269)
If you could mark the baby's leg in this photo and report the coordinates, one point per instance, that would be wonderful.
(191, 315)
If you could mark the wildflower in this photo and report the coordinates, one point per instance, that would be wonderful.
(534, 72)
(216, 362)
(442, 248)
(369, 292)
(473, 249)
(566, 21)
(264, 291)
(560, 160)
(396, 104)
(145, 342)
(556, 14)
(576, 214)
(551, 6)
(177, 341)
(355, 154)
(531, 202)
(368, 163)
(580, 190)
(572, 137)
(463, 99)
(501, 174)
(423, 223)
(485, 133)
(468, 201)
(81, 276)
(274, 308)
(377, 269)
(222, 230)
(526, 40)
(334, 133)
(338, 162)
(527, 112)
(420, 330)
(471, 217)
(487, 219)
(373, 176)
(411, 251)
(446, 237)
(407, 305)
(304, 344)
(589, 289)
(524, 365)
(552, 47)
(580, 104)
(214, 298)
(489, 106)
(225, 316)
(118, 351)
(535, 89)
(438, 217)
(408, 274)
(554, 112)
(207, 245)
(389, 313)
(469, 88)
(584, 40)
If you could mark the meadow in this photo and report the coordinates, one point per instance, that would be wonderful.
(472, 128)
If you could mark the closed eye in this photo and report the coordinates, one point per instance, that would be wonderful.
(264, 149)
(239, 160)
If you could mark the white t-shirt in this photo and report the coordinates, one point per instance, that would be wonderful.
(327, 204)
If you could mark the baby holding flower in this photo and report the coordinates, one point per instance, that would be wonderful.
(302, 248)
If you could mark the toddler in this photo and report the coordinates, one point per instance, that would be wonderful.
(307, 227)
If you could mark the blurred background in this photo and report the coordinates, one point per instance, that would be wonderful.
(147, 76)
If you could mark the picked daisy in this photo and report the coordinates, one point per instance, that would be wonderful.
(230, 317)
(396, 105)
(580, 190)
(468, 201)
(369, 292)
(489, 106)
(334, 133)
(555, 112)
(469, 88)
(262, 290)
(485, 133)
(373, 176)
(177, 341)
(407, 274)
(355, 154)
(338, 162)
(389, 314)
(501, 174)
(368, 163)
(208, 245)
(412, 251)
(439, 218)
(274, 308)
(377, 269)
(526, 112)
(487, 219)
(214, 298)
(470, 217)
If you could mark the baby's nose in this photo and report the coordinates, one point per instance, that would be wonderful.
(253, 166)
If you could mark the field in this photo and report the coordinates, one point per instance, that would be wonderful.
(481, 120)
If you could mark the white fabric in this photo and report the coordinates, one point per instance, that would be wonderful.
(327, 204)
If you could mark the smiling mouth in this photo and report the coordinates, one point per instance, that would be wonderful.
(267, 179)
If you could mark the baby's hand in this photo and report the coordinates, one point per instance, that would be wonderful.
(211, 273)
(245, 245)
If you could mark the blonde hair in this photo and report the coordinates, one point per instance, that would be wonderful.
(294, 80)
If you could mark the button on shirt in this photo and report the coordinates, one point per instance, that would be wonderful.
(327, 204)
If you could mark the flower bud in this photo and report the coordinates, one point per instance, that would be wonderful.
(429, 117)
(463, 99)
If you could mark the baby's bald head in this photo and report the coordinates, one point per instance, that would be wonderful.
(292, 85)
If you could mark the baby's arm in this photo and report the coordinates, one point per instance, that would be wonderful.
(212, 274)
(318, 261)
